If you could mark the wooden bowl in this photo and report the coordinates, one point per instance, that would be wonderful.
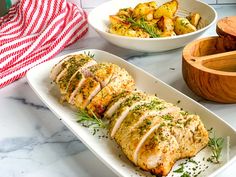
(209, 69)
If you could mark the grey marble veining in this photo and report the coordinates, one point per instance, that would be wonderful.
(34, 143)
(25, 102)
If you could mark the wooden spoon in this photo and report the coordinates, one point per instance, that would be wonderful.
(209, 70)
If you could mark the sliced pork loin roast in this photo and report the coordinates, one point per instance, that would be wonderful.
(151, 132)
(62, 73)
(171, 141)
(58, 68)
(136, 118)
(133, 100)
(86, 92)
(159, 152)
(154, 135)
(122, 81)
(81, 81)
(74, 85)
(96, 78)
(103, 72)
(192, 136)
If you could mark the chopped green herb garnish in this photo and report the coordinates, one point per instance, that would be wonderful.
(149, 122)
(184, 113)
(167, 117)
(210, 130)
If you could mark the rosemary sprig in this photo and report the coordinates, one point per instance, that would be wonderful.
(192, 161)
(89, 54)
(90, 121)
(180, 170)
(142, 24)
(216, 145)
(185, 174)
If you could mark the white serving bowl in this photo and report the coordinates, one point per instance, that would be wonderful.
(99, 19)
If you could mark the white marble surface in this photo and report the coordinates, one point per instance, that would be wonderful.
(34, 143)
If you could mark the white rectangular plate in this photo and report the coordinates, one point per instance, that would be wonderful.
(107, 150)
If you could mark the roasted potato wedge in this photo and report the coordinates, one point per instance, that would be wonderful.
(145, 10)
(126, 12)
(115, 20)
(118, 25)
(183, 26)
(168, 9)
(124, 31)
(165, 24)
(194, 19)
(167, 34)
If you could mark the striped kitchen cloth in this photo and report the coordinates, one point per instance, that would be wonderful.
(34, 31)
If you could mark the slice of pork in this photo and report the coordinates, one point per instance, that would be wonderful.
(123, 81)
(77, 62)
(102, 72)
(138, 98)
(134, 139)
(179, 137)
(76, 82)
(57, 68)
(116, 102)
(159, 152)
(155, 107)
(86, 92)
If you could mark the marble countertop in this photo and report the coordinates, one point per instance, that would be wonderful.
(33, 142)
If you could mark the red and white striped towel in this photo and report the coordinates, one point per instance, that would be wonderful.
(35, 31)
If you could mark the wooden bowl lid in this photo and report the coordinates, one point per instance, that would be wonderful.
(227, 27)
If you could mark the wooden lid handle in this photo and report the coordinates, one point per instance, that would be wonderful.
(227, 27)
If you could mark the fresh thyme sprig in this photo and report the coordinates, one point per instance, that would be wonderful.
(90, 121)
(142, 24)
(216, 145)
